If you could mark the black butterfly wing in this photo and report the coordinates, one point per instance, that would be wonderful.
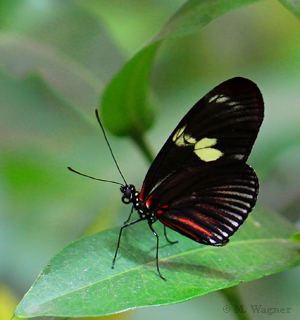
(207, 206)
(219, 130)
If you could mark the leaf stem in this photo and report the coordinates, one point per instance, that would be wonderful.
(140, 141)
(236, 303)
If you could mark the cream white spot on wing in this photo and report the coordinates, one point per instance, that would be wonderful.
(178, 137)
(182, 139)
(205, 143)
(239, 156)
(222, 99)
(178, 133)
(203, 150)
(213, 98)
(190, 139)
(208, 154)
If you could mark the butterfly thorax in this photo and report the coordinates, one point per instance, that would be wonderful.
(131, 195)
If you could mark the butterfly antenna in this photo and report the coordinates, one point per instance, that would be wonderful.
(85, 175)
(111, 152)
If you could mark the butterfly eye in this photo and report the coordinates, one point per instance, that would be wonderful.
(128, 192)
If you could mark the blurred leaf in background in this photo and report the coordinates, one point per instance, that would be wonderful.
(57, 57)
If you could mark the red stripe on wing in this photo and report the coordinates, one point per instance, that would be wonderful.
(182, 229)
(141, 196)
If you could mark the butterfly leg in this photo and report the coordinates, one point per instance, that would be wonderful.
(119, 239)
(157, 246)
(129, 216)
(170, 241)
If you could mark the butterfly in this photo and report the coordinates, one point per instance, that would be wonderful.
(199, 183)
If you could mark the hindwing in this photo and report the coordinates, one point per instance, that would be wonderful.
(207, 206)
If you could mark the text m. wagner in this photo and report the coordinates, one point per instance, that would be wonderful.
(258, 308)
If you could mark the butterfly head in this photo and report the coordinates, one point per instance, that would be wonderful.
(129, 193)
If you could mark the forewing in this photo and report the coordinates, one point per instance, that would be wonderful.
(206, 206)
(219, 130)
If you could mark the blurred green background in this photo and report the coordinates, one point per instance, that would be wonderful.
(56, 57)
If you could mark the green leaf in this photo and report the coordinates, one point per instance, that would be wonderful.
(296, 237)
(126, 109)
(195, 14)
(70, 81)
(78, 281)
(293, 6)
